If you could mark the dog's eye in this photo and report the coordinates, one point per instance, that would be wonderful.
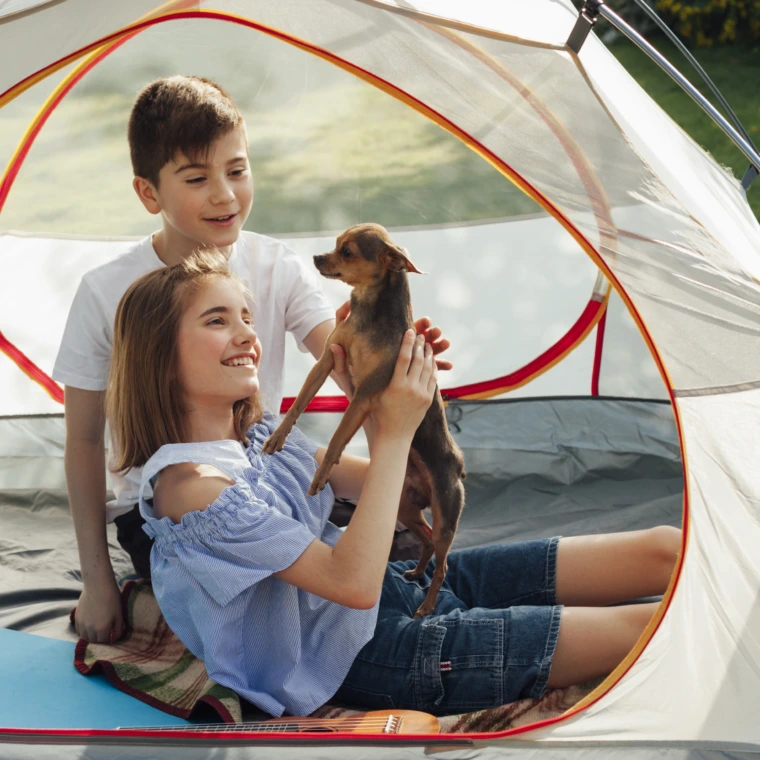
(345, 253)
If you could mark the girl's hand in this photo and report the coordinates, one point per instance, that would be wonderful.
(342, 373)
(404, 402)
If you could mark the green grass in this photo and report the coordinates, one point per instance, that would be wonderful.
(735, 70)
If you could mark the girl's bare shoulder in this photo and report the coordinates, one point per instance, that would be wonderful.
(187, 487)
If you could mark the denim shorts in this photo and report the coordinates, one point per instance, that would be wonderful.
(489, 642)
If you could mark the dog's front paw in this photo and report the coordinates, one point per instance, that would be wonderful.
(425, 609)
(316, 486)
(276, 441)
(319, 481)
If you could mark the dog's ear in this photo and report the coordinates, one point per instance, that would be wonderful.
(396, 259)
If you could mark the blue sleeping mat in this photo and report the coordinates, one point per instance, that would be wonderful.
(41, 688)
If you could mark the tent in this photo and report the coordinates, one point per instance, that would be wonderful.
(603, 323)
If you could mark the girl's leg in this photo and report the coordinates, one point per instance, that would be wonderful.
(599, 570)
(592, 641)
(617, 567)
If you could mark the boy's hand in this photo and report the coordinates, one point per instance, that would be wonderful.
(99, 617)
(405, 401)
(423, 326)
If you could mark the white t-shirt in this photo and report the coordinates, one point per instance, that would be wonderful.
(287, 298)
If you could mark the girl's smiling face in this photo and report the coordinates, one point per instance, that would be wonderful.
(218, 351)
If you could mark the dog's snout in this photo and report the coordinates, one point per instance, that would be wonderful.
(323, 261)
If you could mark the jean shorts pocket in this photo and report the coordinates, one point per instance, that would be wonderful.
(356, 697)
(468, 673)
(427, 678)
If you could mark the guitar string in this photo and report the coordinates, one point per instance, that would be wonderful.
(295, 728)
(246, 726)
(303, 721)
(265, 727)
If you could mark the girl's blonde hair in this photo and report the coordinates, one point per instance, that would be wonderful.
(144, 400)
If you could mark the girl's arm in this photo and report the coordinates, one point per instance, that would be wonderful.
(351, 573)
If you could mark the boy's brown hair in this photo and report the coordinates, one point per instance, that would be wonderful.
(177, 114)
(144, 400)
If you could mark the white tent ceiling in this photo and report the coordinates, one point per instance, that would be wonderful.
(678, 240)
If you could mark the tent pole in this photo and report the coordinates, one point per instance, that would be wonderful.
(684, 83)
(673, 37)
(751, 172)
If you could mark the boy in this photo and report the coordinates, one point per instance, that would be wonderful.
(189, 152)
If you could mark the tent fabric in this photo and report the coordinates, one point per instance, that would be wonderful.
(564, 466)
(69, 25)
(448, 293)
(669, 288)
(95, 747)
(535, 466)
(668, 227)
(715, 615)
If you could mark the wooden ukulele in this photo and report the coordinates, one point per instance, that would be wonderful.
(375, 722)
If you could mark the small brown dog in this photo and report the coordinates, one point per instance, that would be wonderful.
(381, 312)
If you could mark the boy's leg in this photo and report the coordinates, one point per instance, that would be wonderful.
(617, 567)
(594, 640)
(135, 541)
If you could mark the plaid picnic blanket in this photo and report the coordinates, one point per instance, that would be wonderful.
(150, 663)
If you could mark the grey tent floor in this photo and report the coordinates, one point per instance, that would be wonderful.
(536, 467)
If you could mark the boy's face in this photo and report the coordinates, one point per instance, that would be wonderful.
(206, 201)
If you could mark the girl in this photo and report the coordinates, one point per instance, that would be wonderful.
(282, 606)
